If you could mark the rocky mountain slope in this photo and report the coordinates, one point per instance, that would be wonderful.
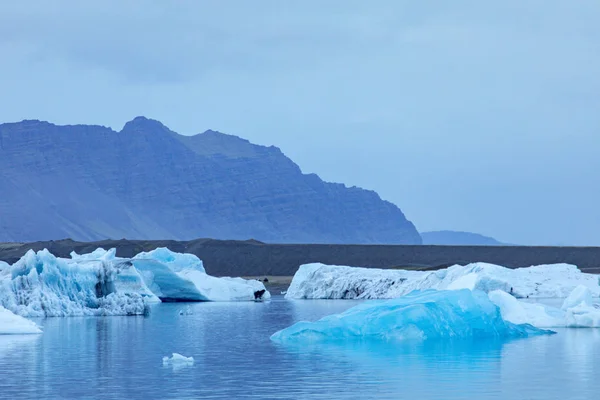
(146, 182)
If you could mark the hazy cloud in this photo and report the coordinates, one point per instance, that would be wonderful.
(470, 115)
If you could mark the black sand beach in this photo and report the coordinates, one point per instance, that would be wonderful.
(253, 258)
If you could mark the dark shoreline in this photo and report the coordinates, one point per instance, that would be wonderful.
(253, 258)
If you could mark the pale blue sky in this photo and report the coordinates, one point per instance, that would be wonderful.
(481, 116)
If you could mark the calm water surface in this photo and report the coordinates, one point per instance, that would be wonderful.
(121, 358)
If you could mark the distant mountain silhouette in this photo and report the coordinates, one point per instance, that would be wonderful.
(456, 238)
(146, 182)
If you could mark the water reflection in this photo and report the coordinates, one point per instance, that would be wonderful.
(407, 368)
(121, 357)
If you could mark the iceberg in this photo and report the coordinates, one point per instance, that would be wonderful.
(166, 283)
(577, 311)
(177, 360)
(420, 315)
(100, 283)
(11, 324)
(175, 261)
(320, 281)
(42, 285)
(98, 254)
(580, 296)
(182, 277)
(226, 288)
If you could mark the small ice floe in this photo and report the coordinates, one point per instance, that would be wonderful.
(578, 310)
(284, 292)
(186, 311)
(11, 324)
(178, 361)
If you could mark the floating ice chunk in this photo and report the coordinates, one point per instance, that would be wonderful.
(226, 289)
(519, 312)
(99, 283)
(582, 317)
(178, 360)
(456, 314)
(11, 324)
(580, 311)
(196, 285)
(181, 277)
(166, 283)
(319, 281)
(576, 312)
(41, 285)
(580, 296)
(98, 254)
(175, 261)
(186, 311)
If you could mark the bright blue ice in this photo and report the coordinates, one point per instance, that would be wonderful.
(42, 285)
(165, 283)
(175, 261)
(431, 314)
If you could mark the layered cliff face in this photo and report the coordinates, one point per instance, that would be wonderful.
(147, 182)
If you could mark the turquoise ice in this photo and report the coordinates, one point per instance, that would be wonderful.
(431, 314)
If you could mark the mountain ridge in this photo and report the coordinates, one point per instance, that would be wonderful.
(90, 182)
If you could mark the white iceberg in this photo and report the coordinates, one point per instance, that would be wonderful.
(577, 311)
(580, 296)
(431, 314)
(320, 281)
(178, 360)
(11, 324)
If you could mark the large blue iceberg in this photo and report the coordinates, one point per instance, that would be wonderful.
(431, 314)
(100, 283)
(42, 285)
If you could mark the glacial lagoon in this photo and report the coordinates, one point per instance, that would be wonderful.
(121, 357)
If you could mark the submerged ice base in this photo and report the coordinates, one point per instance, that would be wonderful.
(320, 281)
(455, 314)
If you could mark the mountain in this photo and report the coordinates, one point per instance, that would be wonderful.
(90, 182)
(456, 238)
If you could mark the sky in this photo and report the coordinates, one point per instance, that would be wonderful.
(479, 116)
